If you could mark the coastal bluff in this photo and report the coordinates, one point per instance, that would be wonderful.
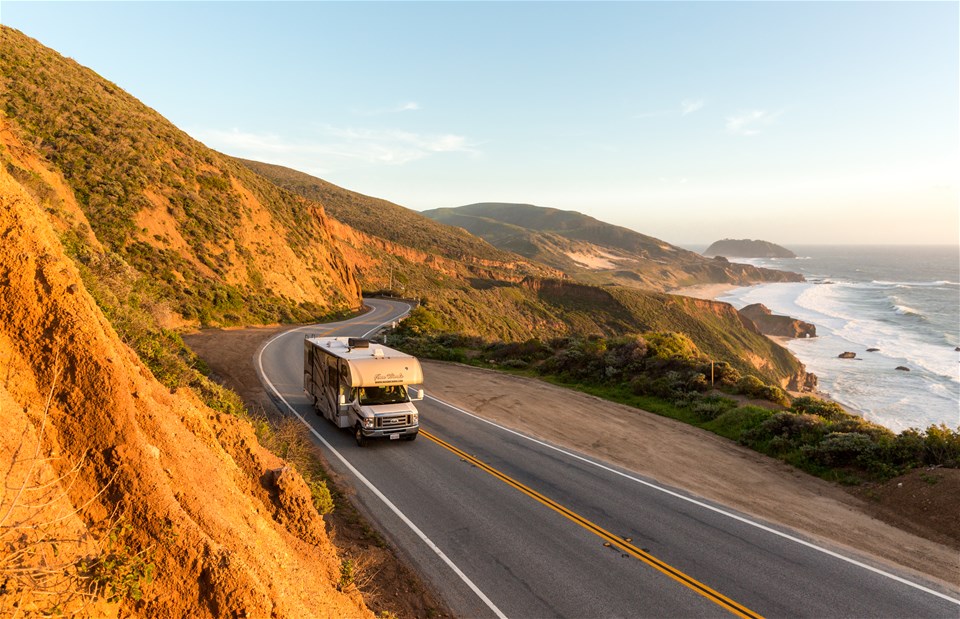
(773, 324)
(746, 248)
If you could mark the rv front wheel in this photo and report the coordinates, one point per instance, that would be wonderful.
(358, 434)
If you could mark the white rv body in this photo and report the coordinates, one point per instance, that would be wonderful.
(364, 386)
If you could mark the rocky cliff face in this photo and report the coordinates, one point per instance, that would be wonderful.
(781, 326)
(194, 486)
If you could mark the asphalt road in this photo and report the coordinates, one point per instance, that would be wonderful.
(503, 525)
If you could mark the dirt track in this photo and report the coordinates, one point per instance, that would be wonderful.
(655, 447)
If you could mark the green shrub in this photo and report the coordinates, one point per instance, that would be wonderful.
(907, 449)
(420, 321)
(739, 421)
(840, 449)
(797, 429)
(515, 364)
(823, 408)
(712, 407)
(724, 374)
(671, 345)
(322, 499)
(121, 571)
(772, 393)
(942, 446)
(750, 386)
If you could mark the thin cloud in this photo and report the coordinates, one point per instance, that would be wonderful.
(751, 122)
(332, 147)
(689, 106)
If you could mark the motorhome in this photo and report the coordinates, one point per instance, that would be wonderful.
(364, 386)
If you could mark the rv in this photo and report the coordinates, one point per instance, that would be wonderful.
(364, 386)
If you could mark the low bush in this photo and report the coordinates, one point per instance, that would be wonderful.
(736, 422)
(711, 407)
(664, 372)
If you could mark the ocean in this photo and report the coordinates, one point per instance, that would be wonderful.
(904, 301)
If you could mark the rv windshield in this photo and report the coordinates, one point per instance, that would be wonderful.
(395, 394)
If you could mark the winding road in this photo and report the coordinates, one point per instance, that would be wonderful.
(505, 525)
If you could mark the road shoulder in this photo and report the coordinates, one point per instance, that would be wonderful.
(689, 458)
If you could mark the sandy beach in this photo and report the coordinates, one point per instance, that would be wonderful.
(704, 291)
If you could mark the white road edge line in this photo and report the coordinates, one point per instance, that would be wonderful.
(704, 505)
(366, 482)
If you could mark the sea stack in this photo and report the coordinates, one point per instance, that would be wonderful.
(746, 248)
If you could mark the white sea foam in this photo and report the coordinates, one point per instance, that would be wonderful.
(941, 282)
(855, 316)
(905, 310)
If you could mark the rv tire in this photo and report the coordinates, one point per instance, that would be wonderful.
(358, 434)
(410, 437)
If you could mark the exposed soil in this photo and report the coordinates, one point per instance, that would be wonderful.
(169, 493)
(914, 525)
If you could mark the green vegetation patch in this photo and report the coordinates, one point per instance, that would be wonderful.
(668, 374)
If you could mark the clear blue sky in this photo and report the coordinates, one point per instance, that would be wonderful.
(794, 122)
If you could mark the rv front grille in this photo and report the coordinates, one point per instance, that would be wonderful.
(397, 421)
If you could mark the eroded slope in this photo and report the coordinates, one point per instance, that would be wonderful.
(200, 496)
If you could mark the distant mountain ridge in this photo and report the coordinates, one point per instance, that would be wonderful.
(594, 251)
(747, 248)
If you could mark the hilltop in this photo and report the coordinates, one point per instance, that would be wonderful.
(597, 252)
(747, 248)
(212, 240)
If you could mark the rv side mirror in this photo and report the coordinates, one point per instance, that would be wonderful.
(416, 393)
(343, 399)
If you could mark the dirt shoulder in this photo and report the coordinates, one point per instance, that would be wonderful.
(921, 518)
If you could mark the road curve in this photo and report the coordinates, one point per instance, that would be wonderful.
(506, 526)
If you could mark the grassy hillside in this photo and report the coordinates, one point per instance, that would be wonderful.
(218, 243)
(392, 222)
(593, 251)
(500, 296)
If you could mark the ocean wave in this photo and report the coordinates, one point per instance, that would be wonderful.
(940, 282)
(905, 310)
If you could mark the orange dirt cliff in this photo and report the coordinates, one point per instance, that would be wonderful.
(203, 501)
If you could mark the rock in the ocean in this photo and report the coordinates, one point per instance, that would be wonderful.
(873, 350)
(903, 368)
(847, 355)
(747, 248)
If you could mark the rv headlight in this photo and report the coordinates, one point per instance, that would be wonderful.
(415, 418)
(367, 422)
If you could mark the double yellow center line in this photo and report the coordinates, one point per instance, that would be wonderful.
(697, 586)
